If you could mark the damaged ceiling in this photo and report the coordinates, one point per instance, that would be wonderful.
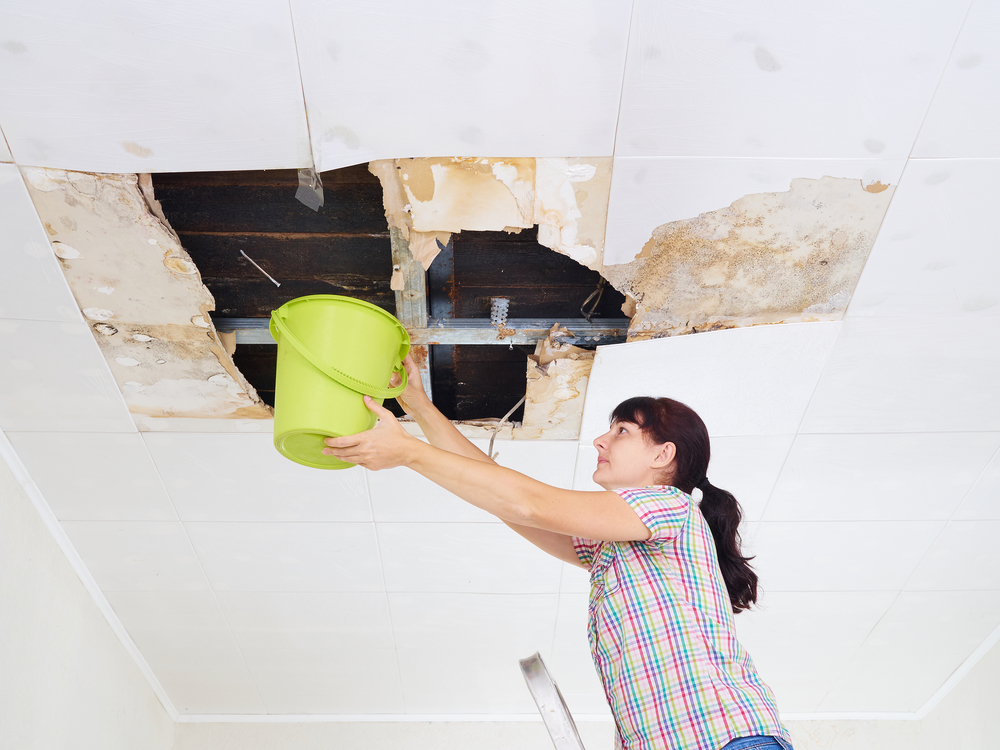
(807, 190)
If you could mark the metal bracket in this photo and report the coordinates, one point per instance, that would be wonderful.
(411, 300)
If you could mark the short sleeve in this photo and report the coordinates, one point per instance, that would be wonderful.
(585, 550)
(663, 510)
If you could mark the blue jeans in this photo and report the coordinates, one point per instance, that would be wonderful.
(757, 743)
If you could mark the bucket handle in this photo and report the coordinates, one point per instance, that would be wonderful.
(333, 373)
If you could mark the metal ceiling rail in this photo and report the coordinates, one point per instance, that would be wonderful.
(466, 331)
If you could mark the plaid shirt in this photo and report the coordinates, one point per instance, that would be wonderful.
(661, 632)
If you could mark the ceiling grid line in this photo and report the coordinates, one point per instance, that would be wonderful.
(385, 594)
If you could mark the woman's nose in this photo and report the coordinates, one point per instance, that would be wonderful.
(601, 441)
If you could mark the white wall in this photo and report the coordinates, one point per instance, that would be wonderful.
(66, 681)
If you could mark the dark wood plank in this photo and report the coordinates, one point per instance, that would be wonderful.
(536, 301)
(355, 209)
(250, 298)
(286, 257)
(357, 173)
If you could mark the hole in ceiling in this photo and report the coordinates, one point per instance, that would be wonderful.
(344, 248)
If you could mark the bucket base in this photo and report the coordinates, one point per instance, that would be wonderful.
(306, 447)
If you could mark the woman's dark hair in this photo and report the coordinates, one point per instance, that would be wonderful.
(663, 420)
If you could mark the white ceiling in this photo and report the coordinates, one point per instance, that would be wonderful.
(864, 451)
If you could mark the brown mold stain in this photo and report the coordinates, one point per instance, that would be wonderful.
(793, 256)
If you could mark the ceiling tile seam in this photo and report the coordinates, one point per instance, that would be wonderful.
(201, 567)
(975, 483)
(964, 668)
(953, 158)
(937, 86)
(621, 88)
(871, 251)
(385, 595)
(802, 416)
(722, 157)
(3, 142)
(40, 225)
(302, 86)
(841, 674)
(20, 472)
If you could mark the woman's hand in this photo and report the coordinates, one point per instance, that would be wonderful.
(384, 446)
(413, 399)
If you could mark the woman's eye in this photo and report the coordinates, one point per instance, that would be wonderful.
(621, 430)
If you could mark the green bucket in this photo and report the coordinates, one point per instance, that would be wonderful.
(332, 351)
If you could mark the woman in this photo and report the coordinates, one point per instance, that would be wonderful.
(666, 575)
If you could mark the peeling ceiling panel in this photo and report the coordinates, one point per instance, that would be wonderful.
(781, 79)
(32, 286)
(963, 119)
(767, 374)
(936, 254)
(910, 375)
(649, 192)
(142, 296)
(54, 378)
(467, 77)
(152, 87)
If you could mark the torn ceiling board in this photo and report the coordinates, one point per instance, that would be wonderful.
(963, 120)
(793, 256)
(745, 381)
(567, 198)
(649, 192)
(475, 70)
(936, 254)
(152, 87)
(142, 297)
(785, 80)
(4, 149)
(557, 375)
(32, 285)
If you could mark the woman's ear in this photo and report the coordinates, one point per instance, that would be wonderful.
(666, 456)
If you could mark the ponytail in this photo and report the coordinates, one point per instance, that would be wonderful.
(667, 421)
(723, 514)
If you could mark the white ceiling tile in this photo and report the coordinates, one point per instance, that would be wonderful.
(748, 466)
(458, 653)
(575, 580)
(586, 465)
(983, 500)
(4, 150)
(338, 679)
(288, 556)
(548, 461)
(840, 556)
(482, 60)
(184, 638)
(935, 254)
(32, 285)
(963, 120)
(486, 558)
(742, 381)
(241, 477)
(137, 555)
(647, 192)
(878, 477)
(922, 639)
(799, 641)
(172, 87)
(905, 375)
(571, 665)
(965, 557)
(307, 620)
(55, 379)
(94, 476)
(780, 78)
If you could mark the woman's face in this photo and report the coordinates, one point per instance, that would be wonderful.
(626, 459)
